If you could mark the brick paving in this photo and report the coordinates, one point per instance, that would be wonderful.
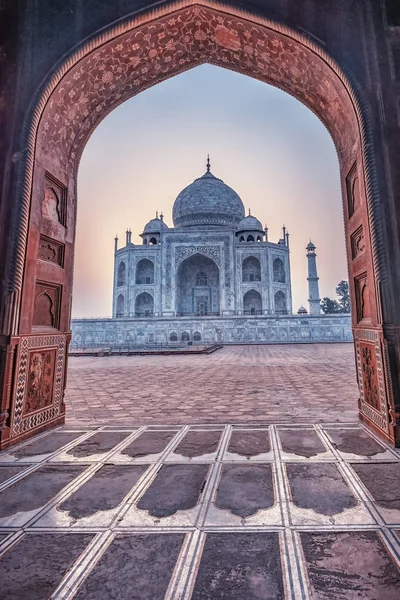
(238, 384)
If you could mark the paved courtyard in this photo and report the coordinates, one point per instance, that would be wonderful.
(242, 475)
(238, 384)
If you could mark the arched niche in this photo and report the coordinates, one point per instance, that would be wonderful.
(144, 305)
(144, 272)
(120, 308)
(278, 269)
(121, 274)
(252, 303)
(197, 286)
(251, 269)
(280, 303)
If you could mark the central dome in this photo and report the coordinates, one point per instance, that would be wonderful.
(208, 201)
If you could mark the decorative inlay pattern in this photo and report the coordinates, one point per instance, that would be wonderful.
(40, 380)
(182, 252)
(193, 35)
(29, 347)
(371, 384)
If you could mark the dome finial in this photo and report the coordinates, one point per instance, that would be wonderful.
(161, 216)
(156, 214)
(208, 163)
(249, 213)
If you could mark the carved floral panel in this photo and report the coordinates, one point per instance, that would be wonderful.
(39, 389)
(369, 375)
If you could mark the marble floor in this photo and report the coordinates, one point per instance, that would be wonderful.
(202, 511)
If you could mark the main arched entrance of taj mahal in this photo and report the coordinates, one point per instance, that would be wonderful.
(120, 56)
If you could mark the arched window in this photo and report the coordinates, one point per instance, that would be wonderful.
(120, 306)
(241, 238)
(121, 274)
(252, 303)
(173, 337)
(185, 336)
(197, 336)
(259, 238)
(144, 305)
(279, 271)
(153, 241)
(251, 269)
(280, 303)
(250, 238)
(201, 278)
(145, 271)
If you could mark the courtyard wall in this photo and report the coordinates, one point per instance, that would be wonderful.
(227, 330)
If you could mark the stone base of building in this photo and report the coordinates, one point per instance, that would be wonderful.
(226, 330)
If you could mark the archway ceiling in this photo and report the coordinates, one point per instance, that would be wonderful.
(171, 44)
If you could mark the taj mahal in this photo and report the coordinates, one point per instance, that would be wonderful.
(213, 277)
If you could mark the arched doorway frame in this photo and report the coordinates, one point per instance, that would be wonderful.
(178, 268)
(233, 32)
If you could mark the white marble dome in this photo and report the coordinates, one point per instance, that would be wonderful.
(208, 201)
(250, 223)
(155, 226)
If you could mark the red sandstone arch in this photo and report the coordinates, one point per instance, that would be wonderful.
(117, 64)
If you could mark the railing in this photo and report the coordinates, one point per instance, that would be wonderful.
(252, 313)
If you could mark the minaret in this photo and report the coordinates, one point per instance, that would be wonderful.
(313, 287)
(115, 243)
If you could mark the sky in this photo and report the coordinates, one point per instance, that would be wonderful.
(266, 145)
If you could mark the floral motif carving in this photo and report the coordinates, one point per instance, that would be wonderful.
(40, 380)
(149, 53)
(369, 375)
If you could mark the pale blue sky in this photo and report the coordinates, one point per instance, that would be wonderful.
(262, 142)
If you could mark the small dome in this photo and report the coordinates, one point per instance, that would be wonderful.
(250, 223)
(207, 201)
(155, 226)
(302, 311)
(310, 246)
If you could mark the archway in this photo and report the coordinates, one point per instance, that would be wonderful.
(144, 272)
(251, 269)
(144, 305)
(197, 287)
(280, 304)
(120, 306)
(121, 274)
(252, 303)
(279, 270)
(118, 63)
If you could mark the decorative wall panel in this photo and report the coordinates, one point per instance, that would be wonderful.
(39, 381)
(51, 251)
(54, 206)
(46, 311)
